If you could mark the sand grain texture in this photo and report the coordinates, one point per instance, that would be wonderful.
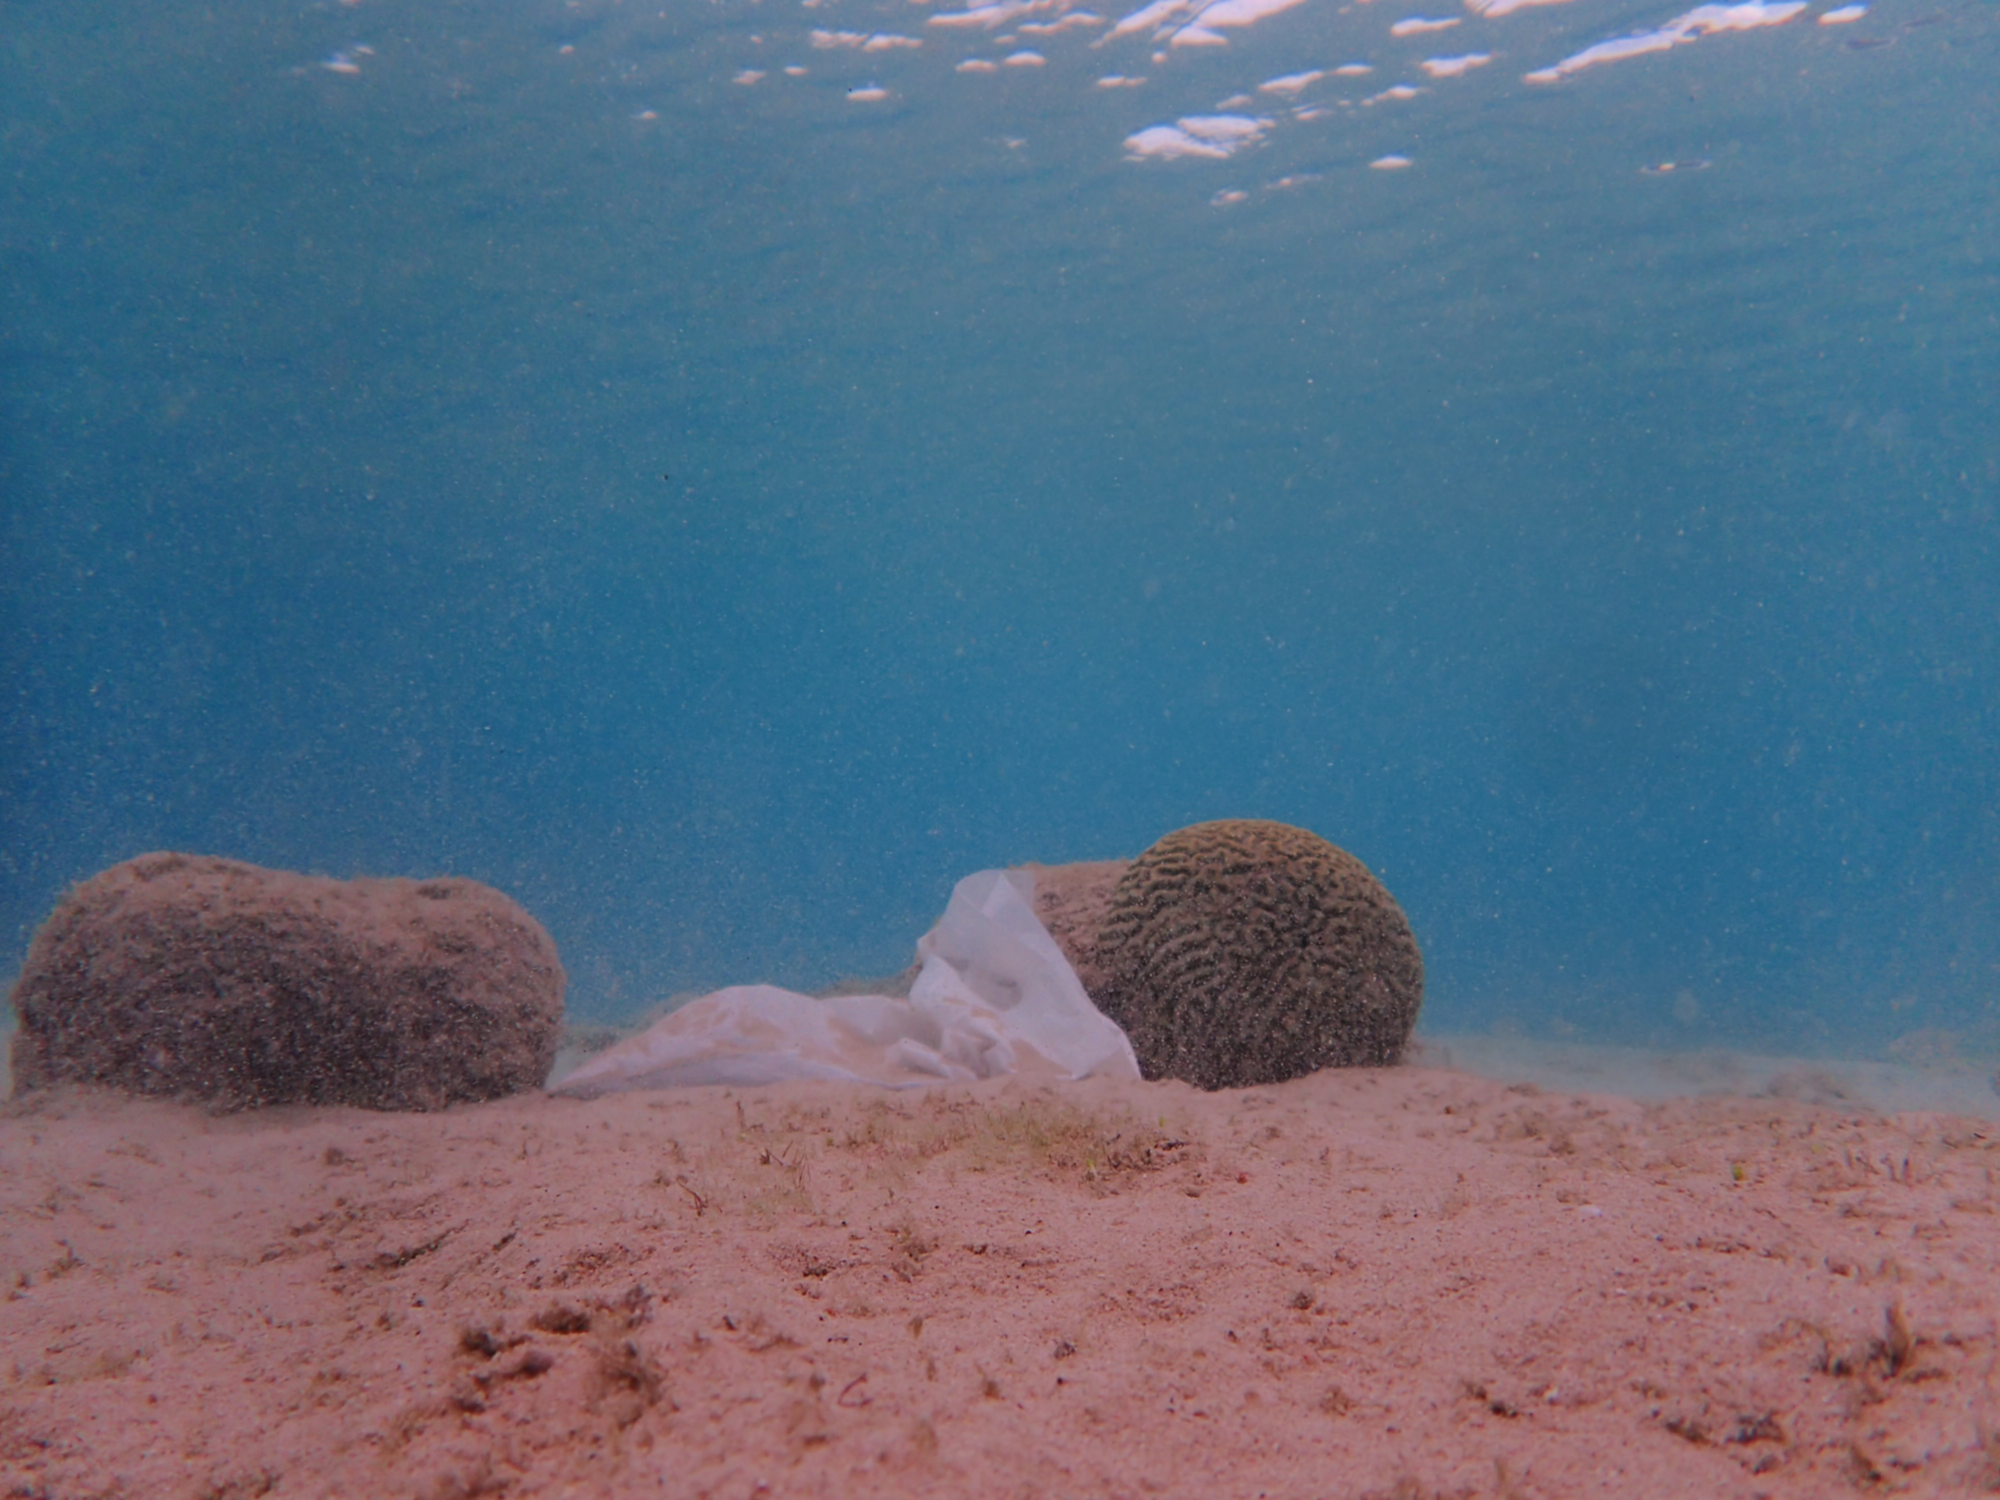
(1362, 1283)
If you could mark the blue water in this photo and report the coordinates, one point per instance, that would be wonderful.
(723, 513)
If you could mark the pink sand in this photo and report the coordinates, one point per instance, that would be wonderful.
(1398, 1283)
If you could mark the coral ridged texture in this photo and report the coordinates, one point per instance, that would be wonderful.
(1247, 952)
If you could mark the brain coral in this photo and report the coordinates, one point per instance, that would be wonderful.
(1246, 952)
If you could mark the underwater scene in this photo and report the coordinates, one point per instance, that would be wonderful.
(866, 748)
(721, 471)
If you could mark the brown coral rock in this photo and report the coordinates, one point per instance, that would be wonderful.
(211, 979)
(1246, 952)
(1072, 901)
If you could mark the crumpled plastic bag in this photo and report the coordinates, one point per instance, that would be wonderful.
(995, 996)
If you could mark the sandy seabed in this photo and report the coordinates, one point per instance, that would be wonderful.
(1407, 1283)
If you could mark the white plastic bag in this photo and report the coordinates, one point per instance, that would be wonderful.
(994, 996)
